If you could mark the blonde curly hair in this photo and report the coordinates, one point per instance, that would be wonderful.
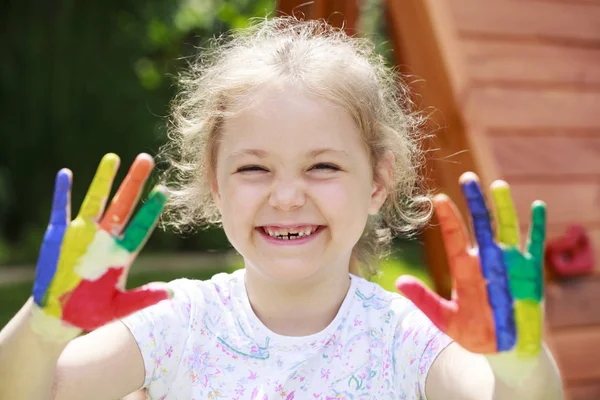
(328, 63)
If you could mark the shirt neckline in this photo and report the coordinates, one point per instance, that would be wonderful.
(295, 340)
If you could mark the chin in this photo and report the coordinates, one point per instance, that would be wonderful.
(287, 270)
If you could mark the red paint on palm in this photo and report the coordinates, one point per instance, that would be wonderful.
(94, 303)
(437, 309)
(467, 320)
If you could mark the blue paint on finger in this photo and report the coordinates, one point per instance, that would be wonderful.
(493, 267)
(500, 298)
(51, 244)
(480, 215)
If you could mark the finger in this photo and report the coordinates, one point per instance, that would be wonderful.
(124, 201)
(436, 308)
(469, 283)
(504, 319)
(475, 314)
(51, 244)
(61, 206)
(525, 277)
(127, 303)
(454, 234)
(145, 220)
(480, 215)
(508, 223)
(95, 199)
(495, 263)
(526, 274)
(537, 233)
(529, 318)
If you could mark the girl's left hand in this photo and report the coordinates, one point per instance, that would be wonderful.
(496, 304)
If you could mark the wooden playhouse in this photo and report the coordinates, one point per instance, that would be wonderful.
(516, 83)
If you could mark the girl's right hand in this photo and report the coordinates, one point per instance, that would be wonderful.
(83, 263)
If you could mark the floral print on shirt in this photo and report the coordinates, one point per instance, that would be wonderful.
(207, 343)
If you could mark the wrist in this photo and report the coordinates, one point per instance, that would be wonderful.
(51, 329)
(535, 377)
(512, 370)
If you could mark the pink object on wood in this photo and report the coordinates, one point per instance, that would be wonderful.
(571, 254)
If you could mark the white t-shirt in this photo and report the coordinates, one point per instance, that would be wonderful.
(207, 343)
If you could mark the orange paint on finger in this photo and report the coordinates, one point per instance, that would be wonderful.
(456, 239)
(468, 317)
(125, 199)
(474, 323)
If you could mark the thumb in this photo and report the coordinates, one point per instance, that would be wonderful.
(436, 308)
(126, 303)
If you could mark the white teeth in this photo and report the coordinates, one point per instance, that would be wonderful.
(289, 235)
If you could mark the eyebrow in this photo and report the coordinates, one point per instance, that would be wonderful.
(250, 152)
(259, 153)
(318, 152)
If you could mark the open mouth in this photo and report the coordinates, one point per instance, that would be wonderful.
(290, 234)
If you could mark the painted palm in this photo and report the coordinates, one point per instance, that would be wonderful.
(83, 263)
(498, 289)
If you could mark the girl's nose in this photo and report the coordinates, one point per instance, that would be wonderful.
(287, 196)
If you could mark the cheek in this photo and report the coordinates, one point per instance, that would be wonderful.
(240, 201)
(345, 203)
(236, 215)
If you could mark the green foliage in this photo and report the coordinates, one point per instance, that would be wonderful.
(13, 297)
(80, 79)
(392, 268)
(372, 26)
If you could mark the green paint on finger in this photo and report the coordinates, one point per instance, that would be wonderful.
(144, 221)
(537, 236)
(525, 276)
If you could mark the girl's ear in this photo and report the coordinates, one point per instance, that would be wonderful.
(383, 180)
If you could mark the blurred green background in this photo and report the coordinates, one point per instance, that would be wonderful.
(81, 79)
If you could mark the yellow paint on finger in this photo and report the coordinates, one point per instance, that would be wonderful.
(78, 237)
(529, 320)
(508, 223)
(99, 189)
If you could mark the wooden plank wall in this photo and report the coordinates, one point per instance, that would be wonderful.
(534, 86)
(517, 83)
(435, 59)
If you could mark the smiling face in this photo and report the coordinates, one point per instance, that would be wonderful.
(294, 185)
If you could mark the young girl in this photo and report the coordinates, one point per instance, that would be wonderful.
(293, 136)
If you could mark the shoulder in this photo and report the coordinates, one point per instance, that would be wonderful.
(223, 282)
(415, 341)
(374, 298)
(409, 325)
(199, 295)
(191, 300)
(167, 332)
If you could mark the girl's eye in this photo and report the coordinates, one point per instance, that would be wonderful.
(251, 168)
(326, 166)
